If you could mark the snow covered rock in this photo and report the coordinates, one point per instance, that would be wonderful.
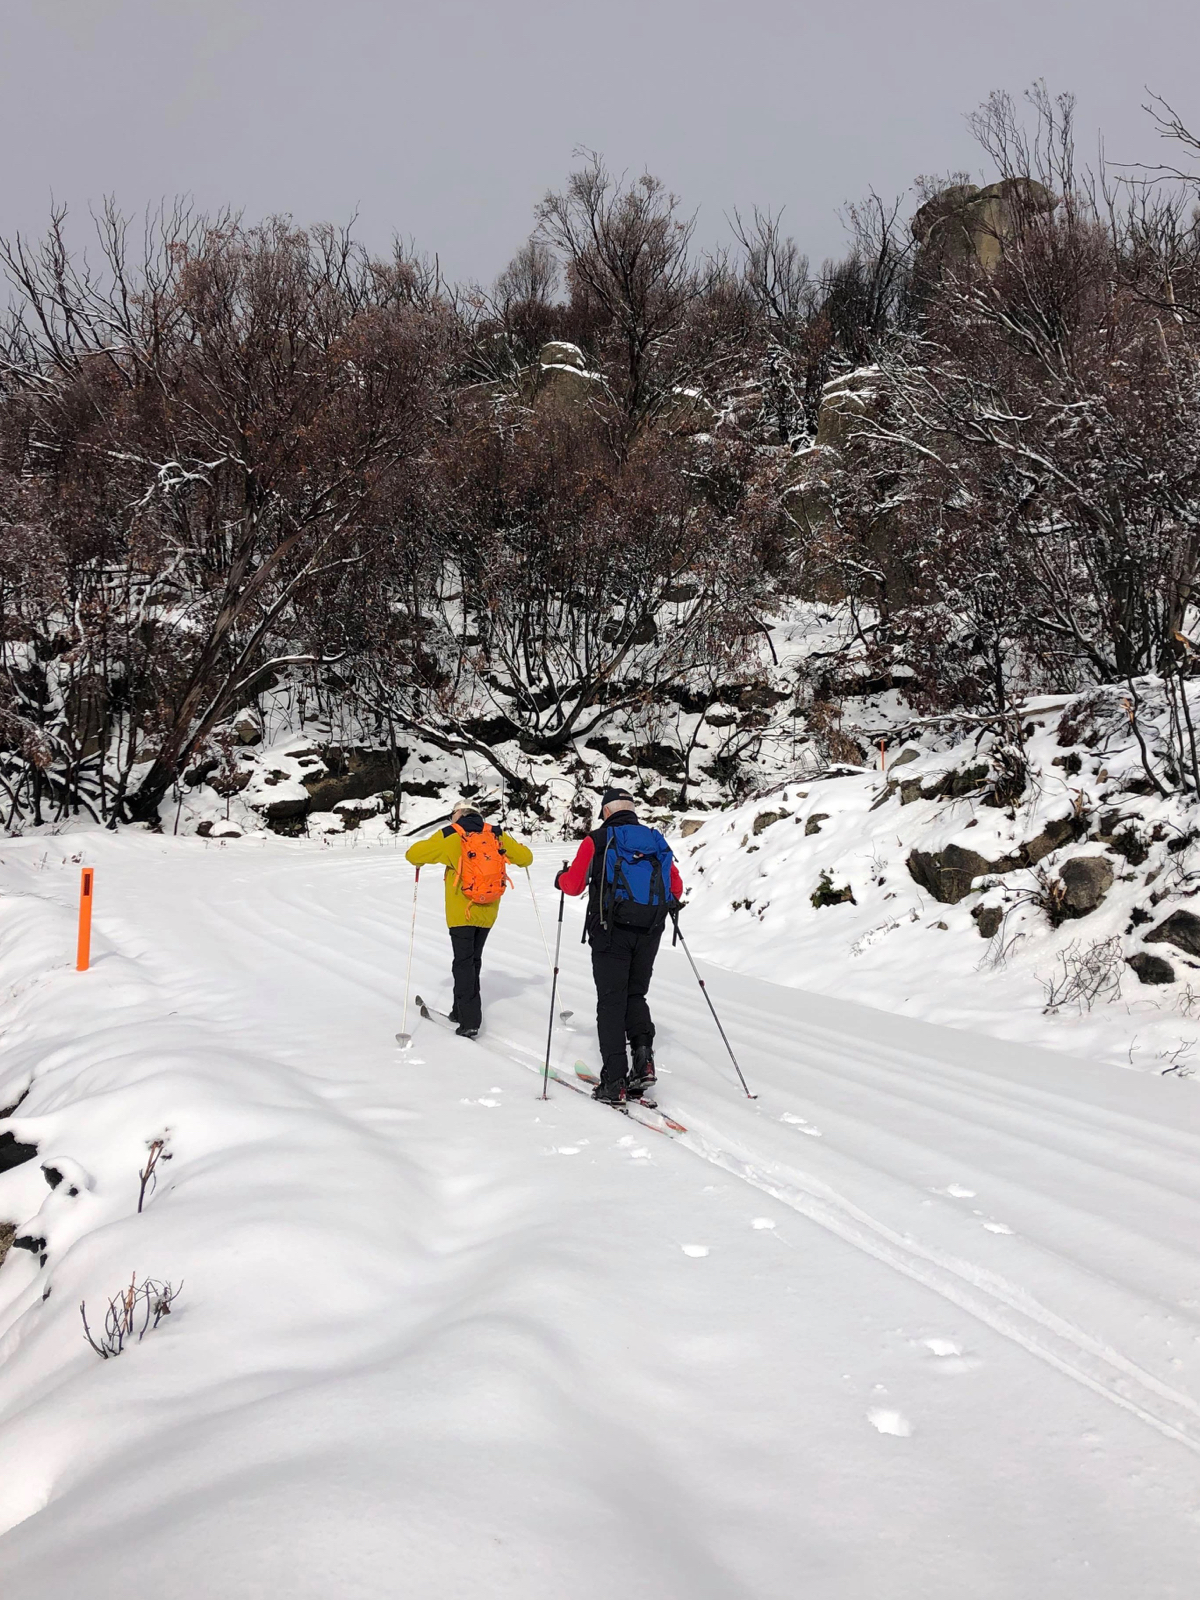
(988, 920)
(1151, 969)
(351, 774)
(949, 874)
(13, 1153)
(247, 727)
(562, 353)
(1182, 929)
(844, 401)
(1086, 879)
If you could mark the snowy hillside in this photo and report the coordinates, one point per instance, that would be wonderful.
(1037, 894)
(919, 1321)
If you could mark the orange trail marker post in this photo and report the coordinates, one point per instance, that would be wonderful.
(85, 920)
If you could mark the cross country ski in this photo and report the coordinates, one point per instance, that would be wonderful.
(647, 1112)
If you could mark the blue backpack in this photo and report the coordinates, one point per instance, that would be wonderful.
(635, 889)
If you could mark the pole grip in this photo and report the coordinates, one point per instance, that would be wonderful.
(84, 949)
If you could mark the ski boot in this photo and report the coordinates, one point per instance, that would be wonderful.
(642, 1078)
(609, 1093)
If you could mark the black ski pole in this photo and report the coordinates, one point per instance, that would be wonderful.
(562, 900)
(711, 1007)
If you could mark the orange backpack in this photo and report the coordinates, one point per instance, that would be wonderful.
(482, 870)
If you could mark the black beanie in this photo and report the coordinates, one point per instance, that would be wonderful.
(609, 795)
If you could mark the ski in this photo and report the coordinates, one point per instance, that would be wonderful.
(592, 1081)
(655, 1119)
(430, 1015)
(636, 1110)
(590, 1078)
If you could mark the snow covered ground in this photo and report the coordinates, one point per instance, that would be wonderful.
(923, 1320)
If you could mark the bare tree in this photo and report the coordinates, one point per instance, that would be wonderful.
(627, 254)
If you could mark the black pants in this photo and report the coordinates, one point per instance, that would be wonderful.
(468, 943)
(622, 965)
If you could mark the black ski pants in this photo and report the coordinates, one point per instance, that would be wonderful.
(468, 943)
(622, 965)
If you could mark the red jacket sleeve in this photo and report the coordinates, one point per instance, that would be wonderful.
(573, 879)
(676, 881)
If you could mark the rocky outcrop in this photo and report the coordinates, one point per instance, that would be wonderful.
(947, 874)
(351, 773)
(846, 402)
(1086, 880)
(1182, 929)
(849, 405)
(965, 223)
(560, 381)
(562, 353)
(953, 785)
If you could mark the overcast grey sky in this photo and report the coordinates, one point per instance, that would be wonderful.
(448, 120)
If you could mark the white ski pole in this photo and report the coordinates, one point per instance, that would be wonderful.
(404, 1038)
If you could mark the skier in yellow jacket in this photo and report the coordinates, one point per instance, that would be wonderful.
(473, 854)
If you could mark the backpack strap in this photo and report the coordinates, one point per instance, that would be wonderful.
(458, 872)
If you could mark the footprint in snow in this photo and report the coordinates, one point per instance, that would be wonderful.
(762, 1222)
(997, 1227)
(956, 1192)
(565, 1150)
(949, 1357)
(696, 1250)
(891, 1422)
(942, 1347)
(800, 1125)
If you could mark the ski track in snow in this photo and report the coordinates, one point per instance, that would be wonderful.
(1038, 1219)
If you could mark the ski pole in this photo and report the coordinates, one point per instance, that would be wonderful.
(403, 1038)
(562, 900)
(563, 1016)
(711, 1007)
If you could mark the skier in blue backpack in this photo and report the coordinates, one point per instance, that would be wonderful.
(633, 885)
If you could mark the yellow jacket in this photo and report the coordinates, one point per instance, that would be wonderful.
(444, 849)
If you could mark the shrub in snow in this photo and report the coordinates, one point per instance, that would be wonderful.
(156, 1151)
(131, 1315)
(1085, 976)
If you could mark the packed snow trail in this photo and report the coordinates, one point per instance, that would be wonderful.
(922, 1320)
